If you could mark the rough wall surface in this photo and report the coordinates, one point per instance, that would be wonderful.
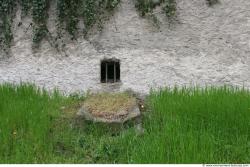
(207, 46)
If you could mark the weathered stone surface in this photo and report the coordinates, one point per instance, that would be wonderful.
(208, 46)
(116, 117)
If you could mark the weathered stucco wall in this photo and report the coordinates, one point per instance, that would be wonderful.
(208, 45)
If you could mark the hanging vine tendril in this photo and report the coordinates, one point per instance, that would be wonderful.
(147, 6)
(39, 15)
(212, 2)
(6, 14)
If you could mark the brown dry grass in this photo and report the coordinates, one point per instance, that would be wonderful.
(109, 103)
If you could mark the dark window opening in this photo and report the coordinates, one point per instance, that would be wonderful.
(110, 71)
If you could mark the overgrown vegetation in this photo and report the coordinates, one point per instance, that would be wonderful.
(212, 2)
(146, 9)
(70, 12)
(147, 6)
(170, 8)
(6, 15)
(186, 125)
(40, 15)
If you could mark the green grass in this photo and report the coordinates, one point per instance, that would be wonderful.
(187, 125)
(210, 125)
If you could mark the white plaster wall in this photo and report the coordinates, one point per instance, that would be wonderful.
(208, 46)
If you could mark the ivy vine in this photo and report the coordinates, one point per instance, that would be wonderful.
(170, 8)
(212, 2)
(26, 6)
(146, 7)
(39, 15)
(6, 15)
(69, 13)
